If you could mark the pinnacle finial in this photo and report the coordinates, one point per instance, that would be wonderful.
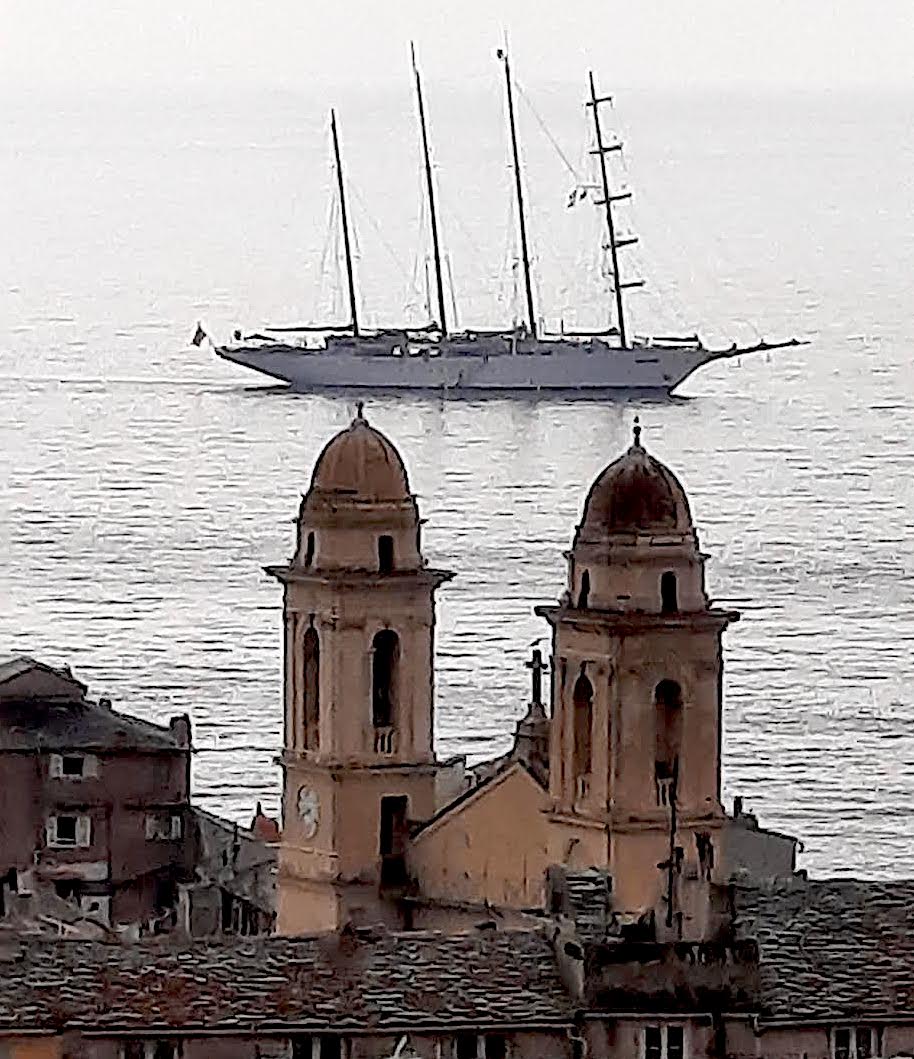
(636, 431)
(359, 410)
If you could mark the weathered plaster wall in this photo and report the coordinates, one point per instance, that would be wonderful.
(492, 847)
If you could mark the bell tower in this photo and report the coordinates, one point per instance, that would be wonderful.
(359, 613)
(637, 690)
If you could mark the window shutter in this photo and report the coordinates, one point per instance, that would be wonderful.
(151, 829)
(52, 830)
(56, 767)
(90, 765)
(83, 831)
(177, 828)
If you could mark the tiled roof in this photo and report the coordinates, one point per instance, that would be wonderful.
(392, 981)
(832, 947)
(37, 725)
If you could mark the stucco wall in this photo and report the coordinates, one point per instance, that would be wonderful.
(492, 847)
(623, 1038)
(806, 1042)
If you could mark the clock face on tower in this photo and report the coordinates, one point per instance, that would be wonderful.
(309, 810)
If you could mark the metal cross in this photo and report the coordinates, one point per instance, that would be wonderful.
(537, 667)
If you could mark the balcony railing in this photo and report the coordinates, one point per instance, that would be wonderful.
(385, 740)
(582, 788)
(664, 786)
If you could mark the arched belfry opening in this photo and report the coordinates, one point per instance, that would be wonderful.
(385, 554)
(582, 765)
(311, 711)
(668, 737)
(385, 665)
(309, 549)
(584, 594)
(669, 593)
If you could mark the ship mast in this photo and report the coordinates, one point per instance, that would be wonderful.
(607, 201)
(345, 223)
(430, 185)
(522, 224)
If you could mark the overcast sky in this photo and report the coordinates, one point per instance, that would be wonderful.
(250, 44)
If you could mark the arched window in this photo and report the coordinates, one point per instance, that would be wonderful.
(384, 675)
(668, 729)
(669, 601)
(311, 691)
(309, 549)
(385, 554)
(582, 699)
(584, 594)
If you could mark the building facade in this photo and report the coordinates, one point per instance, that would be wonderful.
(94, 804)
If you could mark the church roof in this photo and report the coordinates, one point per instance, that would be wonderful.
(832, 948)
(390, 982)
(636, 493)
(360, 463)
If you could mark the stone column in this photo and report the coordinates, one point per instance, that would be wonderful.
(288, 681)
(568, 777)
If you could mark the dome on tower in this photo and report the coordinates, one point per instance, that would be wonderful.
(360, 463)
(636, 494)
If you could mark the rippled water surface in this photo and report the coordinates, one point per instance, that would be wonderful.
(143, 485)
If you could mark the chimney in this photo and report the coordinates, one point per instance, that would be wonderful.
(180, 729)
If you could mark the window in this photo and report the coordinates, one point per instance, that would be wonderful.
(69, 831)
(311, 651)
(309, 550)
(72, 766)
(584, 594)
(384, 674)
(663, 1042)
(465, 1046)
(96, 905)
(478, 1046)
(669, 603)
(385, 554)
(668, 736)
(856, 1042)
(151, 1050)
(496, 1046)
(392, 840)
(320, 1046)
(582, 705)
(164, 827)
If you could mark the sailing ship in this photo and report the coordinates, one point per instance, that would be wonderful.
(521, 358)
